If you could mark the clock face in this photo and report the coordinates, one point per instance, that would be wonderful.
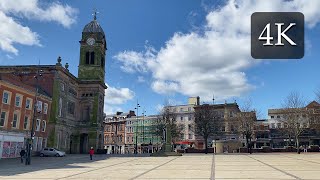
(90, 41)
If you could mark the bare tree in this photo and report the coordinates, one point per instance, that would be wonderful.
(167, 119)
(295, 116)
(317, 93)
(246, 121)
(206, 123)
(315, 114)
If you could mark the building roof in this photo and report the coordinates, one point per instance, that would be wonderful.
(217, 106)
(93, 27)
(313, 104)
(285, 110)
(28, 72)
(121, 114)
(24, 83)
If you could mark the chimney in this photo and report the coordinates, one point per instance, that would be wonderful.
(132, 113)
(118, 113)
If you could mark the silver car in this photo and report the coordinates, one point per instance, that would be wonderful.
(51, 152)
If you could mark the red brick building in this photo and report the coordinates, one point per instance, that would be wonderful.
(115, 132)
(17, 113)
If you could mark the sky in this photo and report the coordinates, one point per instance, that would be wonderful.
(162, 52)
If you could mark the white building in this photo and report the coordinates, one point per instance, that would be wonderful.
(185, 116)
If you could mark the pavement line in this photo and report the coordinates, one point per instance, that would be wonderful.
(153, 168)
(296, 177)
(94, 169)
(212, 169)
(301, 159)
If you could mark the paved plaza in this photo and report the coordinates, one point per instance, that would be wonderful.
(189, 166)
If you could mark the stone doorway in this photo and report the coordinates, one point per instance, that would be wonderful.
(84, 143)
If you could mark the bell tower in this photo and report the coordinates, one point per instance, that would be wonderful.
(92, 52)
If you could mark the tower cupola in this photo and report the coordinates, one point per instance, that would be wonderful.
(92, 52)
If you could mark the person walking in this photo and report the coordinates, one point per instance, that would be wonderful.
(91, 152)
(22, 153)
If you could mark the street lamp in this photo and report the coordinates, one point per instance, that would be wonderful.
(136, 144)
(143, 115)
(30, 141)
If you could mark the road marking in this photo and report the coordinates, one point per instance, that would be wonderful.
(296, 177)
(153, 168)
(212, 169)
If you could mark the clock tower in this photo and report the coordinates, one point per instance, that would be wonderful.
(92, 52)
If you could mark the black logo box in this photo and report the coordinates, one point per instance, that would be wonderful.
(259, 20)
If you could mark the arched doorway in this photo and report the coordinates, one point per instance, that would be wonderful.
(84, 143)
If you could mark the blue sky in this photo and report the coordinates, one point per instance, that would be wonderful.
(165, 50)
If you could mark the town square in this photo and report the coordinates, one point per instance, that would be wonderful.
(142, 89)
(189, 166)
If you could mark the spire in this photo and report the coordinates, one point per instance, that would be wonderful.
(95, 14)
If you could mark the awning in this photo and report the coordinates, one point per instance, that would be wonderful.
(183, 142)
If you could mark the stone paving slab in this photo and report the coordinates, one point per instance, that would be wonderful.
(190, 166)
(174, 174)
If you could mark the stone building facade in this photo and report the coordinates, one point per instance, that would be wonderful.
(228, 140)
(76, 117)
(310, 134)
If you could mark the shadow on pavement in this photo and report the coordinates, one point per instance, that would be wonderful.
(10, 167)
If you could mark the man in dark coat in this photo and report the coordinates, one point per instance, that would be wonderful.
(22, 153)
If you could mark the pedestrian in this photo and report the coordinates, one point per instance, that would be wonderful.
(22, 153)
(305, 149)
(91, 152)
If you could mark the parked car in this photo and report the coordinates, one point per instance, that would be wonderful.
(51, 152)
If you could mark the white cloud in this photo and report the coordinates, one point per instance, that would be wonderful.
(8, 56)
(32, 9)
(13, 32)
(114, 97)
(173, 102)
(118, 95)
(111, 109)
(141, 79)
(214, 61)
(165, 87)
(159, 108)
(135, 61)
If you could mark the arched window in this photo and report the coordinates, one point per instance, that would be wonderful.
(92, 58)
(60, 107)
(87, 58)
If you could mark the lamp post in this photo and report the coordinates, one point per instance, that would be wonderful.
(143, 115)
(30, 141)
(136, 144)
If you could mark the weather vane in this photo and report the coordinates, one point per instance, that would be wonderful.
(95, 14)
